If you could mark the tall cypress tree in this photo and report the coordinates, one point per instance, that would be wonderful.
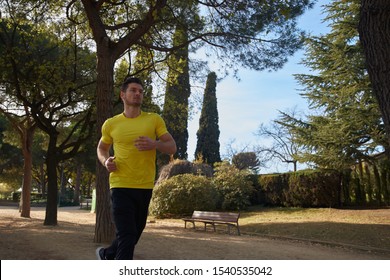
(178, 90)
(207, 147)
(143, 69)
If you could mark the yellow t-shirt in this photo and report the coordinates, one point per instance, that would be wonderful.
(135, 169)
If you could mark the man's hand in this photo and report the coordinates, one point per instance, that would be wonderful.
(144, 143)
(110, 164)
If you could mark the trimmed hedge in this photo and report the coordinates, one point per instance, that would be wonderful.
(313, 188)
(273, 187)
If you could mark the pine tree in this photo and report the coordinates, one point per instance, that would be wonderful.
(207, 147)
(346, 125)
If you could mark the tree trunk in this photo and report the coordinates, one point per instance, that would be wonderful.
(89, 186)
(104, 229)
(52, 186)
(378, 185)
(374, 32)
(28, 135)
(62, 195)
(360, 195)
(387, 189)
(76, 195)
(43, 178)
(346, 199)
(368, 189)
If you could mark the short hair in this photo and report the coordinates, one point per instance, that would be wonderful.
(130, 80)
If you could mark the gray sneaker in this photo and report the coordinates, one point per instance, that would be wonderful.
(100, 253)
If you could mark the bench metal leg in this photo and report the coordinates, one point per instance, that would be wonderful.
(206, 223)
(236, 226)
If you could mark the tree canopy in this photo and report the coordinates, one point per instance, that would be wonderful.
(345, 124)
(46, 81)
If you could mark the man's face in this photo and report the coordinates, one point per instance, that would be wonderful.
(133, 95)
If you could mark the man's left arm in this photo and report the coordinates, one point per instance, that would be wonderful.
(165, 144)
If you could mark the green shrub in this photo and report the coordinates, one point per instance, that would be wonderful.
(182, 194)
(233, 186)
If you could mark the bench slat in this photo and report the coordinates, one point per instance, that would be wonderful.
(217, 216)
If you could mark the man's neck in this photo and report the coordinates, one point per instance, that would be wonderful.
(132, 112)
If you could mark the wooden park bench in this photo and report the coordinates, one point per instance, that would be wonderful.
(213, 218)
(85, 202)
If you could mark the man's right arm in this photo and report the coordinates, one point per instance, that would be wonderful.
(103, 154)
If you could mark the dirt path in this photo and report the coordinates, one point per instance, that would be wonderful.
(72, 239)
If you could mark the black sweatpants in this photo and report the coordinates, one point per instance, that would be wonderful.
(130, 212)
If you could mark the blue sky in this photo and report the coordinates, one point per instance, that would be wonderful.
(243, 105)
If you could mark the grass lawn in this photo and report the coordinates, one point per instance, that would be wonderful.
(357, 227)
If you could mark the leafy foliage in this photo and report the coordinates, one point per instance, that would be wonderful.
(246, 161)
(229, 189)
(48, 77)
(10, 160)
(182, 194)
(234, 187)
